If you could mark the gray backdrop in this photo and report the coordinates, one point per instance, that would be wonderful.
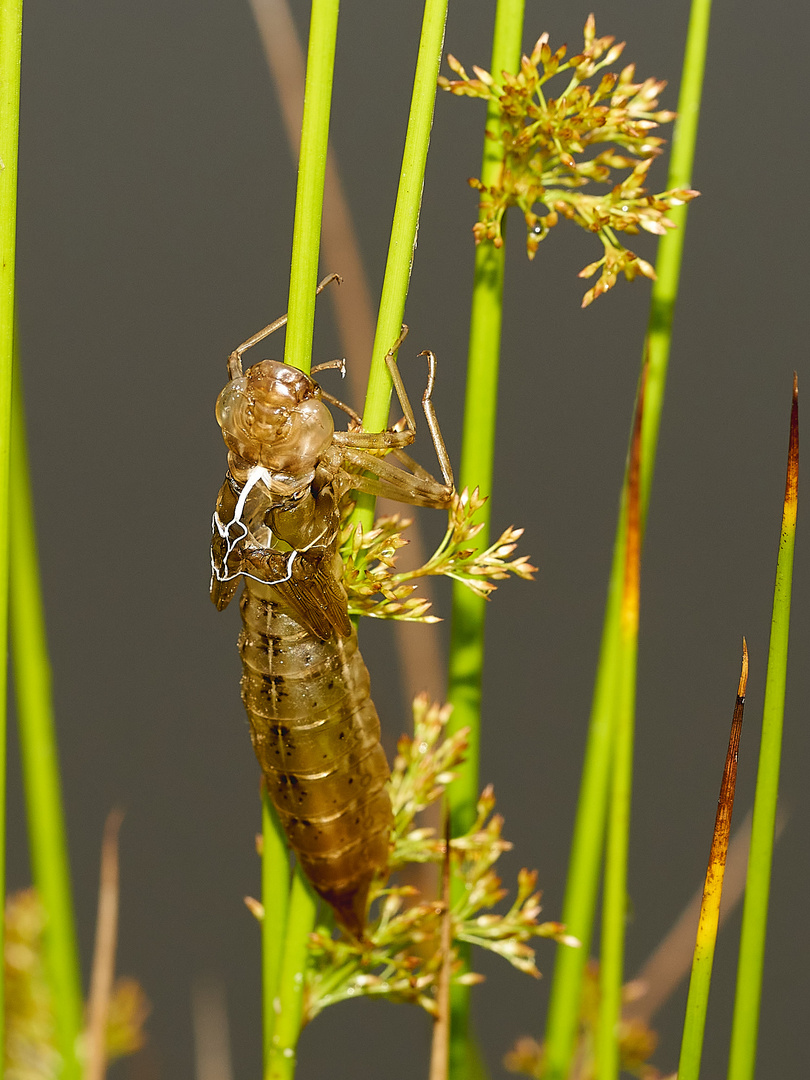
(156, 200)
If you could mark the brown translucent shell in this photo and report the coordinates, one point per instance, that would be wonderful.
(273, 416)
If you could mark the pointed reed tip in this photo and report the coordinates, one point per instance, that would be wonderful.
(743, 671)
(792, 483)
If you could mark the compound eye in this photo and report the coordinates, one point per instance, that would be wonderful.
(231, 404)
(315, 431)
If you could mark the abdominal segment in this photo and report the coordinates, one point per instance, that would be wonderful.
(316, 734)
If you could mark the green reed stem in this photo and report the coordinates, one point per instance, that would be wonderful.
(10, 50)
(275, 900)
(309, 193)
(745, 1026)
(586, 845)
(614, 908)
(39, 755)
(300, 920)
(670, 247)
(289, 913)
(402, 242)
(478, 443)
(477, 458)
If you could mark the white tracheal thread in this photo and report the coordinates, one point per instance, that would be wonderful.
(256, 474)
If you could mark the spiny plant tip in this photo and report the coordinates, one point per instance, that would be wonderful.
(545, 142)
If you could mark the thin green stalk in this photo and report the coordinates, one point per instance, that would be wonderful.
(703, 959)
(614, 906)
(670, 247)
(275, 898)
(289, 918)
(10, 50)
(38, 751)
(614, 910)
(477, 457)
(478, 441)
(309, 194)
(300, 920)
(402, 243)
(586, 845)
(744, 1031)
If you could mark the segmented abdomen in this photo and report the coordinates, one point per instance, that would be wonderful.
(316, 734)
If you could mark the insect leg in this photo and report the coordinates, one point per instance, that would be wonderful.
(427, 406)
(341, 405)
(399, 385)
(424, 489)
(390, 439)
(395, 483)
(331, 365)
(401, 434)
(235, 358)
(433, 423)
(409, 463)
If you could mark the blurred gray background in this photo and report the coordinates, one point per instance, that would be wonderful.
(156, 202)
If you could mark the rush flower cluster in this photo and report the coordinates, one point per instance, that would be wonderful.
(548, 152)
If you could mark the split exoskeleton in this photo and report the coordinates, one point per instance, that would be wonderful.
(314, 727)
